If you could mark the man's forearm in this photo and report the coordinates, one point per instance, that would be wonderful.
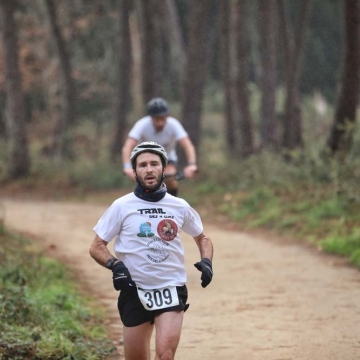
(99, 251)
(205, 246)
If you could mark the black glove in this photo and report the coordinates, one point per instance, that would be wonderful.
(205, 267)
(121, 276)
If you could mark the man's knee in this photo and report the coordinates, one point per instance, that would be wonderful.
(166, 355)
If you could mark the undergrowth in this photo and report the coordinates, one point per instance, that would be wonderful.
(308, 198)
(42, 316)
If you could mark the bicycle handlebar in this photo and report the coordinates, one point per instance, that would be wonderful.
(177, 176)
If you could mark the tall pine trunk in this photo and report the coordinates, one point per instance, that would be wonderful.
(195, 69)
(122, 99)
(244, 121)
(342, 132)
(66, 117)
(19, 161)
(268, 34)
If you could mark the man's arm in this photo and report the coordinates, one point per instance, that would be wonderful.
(120, 273)
(99, 251)
(128, 147)
(205, 246)
(205, 264)
(190, 154)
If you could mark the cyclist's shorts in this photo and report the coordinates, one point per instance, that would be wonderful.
(133, 313)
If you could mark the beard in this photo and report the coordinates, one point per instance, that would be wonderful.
(151, 187)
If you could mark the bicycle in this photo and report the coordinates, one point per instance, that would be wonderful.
(177, 176)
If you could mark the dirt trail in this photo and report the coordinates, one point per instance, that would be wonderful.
(268, 301)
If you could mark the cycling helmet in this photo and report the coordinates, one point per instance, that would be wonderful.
(148, 146)
(158, 107)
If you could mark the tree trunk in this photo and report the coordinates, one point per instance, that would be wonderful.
(175, 36)
(66, 118)
(244, 122)
(174, 48)
(195, 68)
(226, 67)
(268, 34)
(294, 51)
(122, 99)
(151, 44)
(19, 162)
(342, 132)
(3, 130)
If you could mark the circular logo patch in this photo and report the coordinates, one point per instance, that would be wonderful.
(167, 229)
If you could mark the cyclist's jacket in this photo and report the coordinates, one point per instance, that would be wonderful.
(147, 237)
(173, 131)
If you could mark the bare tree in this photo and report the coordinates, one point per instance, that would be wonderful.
(66, 116)
(151, 48)
(244, 121)
(268, 35)
(3, 130)
(342, 132)
(226, 66)
(294, 47)
(122, 99)
(19, 162)
(173, 35)
(195, 68)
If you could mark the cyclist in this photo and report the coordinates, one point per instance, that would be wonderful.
(149, 265)
(167, 131)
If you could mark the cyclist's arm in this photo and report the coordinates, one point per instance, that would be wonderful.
(190, 154)
(128, 147)
(189, 150)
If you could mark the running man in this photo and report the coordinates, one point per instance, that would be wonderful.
(148, 266)
(167, 131)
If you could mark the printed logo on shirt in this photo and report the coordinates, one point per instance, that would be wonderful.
(167, 229)
(155, 213)
(158, 252)
(145, 230)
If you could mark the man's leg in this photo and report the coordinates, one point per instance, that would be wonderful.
(171, 182)
(137, 341)
(168, 329)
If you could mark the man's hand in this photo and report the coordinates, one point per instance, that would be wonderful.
(205, 267)
(129, 173)
(190, 170)
(121, 276)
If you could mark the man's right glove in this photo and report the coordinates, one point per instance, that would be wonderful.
(121, 276)
(205, 267)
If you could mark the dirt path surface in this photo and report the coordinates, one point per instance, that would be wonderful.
(267, 301)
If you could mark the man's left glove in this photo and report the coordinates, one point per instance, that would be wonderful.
(205, 266)
(121, 276)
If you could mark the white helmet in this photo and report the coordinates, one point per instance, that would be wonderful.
(148, 146)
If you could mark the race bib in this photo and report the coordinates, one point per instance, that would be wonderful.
(158, 298)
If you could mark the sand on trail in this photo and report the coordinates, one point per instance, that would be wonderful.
(268, 300)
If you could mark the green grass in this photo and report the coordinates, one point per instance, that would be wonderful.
(42, 315)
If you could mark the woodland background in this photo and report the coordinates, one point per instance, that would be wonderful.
(268, 91)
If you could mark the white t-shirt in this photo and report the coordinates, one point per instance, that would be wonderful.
(147, 237)
(173, 131)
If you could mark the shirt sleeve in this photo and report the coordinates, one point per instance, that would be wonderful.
(193, 224)
(109, 225)
(137, 130)
(180, 132)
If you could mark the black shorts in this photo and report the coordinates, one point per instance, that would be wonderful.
(133, 313)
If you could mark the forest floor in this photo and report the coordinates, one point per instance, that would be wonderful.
(270, 299)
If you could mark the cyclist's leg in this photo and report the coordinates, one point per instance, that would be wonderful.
(171, 182)
(168, 330)
(137, 341)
